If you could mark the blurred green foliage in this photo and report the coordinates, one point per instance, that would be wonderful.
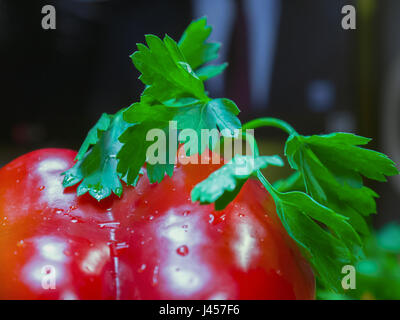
(378, 275)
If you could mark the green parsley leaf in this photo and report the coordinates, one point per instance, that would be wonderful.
(174, 93)
(164, 161)
(210, 71)
(96, 169)
(144, 115)
(325, 237)
(141, 111)
(194, 45)
(94, 134)
(332, 167)
(132, 155)
(189, 113)
(218, 114)
(165, 71)
(223, 185)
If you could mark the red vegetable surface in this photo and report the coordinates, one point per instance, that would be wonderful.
(152, 243)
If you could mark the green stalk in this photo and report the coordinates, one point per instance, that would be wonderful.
(271, 190)
(270, 122)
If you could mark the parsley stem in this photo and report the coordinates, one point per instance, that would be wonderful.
(266, 184)
(270, 122)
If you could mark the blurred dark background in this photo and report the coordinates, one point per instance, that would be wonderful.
(287, 58)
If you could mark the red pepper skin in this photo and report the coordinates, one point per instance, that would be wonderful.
(152, 243)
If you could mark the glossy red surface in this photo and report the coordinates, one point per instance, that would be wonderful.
(153, 243)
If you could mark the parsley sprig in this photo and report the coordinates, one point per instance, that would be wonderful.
(322, 206)
(96, 166)
(115, 148)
